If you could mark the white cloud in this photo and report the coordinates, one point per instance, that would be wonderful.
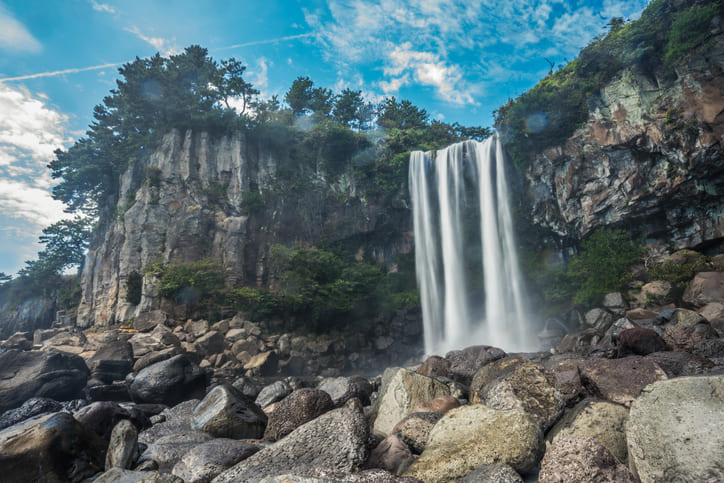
(103, 7)
(259, 77)
(164, 46)
(59, 72)
(29, 204)
(14, 35)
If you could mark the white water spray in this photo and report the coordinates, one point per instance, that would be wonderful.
(469, 276)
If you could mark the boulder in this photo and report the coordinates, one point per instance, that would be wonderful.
(167, 451)
(601, 420)
(675, 430)
(263, 364)
(598, 319)
(656, 292)
(169, 382)
(247, 387)
(677, 364)
(172, 420)
(299, 407)
(474, 435)
(342, 389)
(123, 446)
(161, 337)
(196, 328)
(334, 440)
(615, 303)
(714, 313)
(118, 475)
(154, 357)
(227, 413)
(706, 287)
(466, 362)
(581, 458)
(712, 349)
(495, 472)
(519, 384)
(50, 448)
(32, 407)
(678, 316)
(102, 416)
(402, 390)
(111, 362)
(639, 341)
(435, 366)
(415, 429)
(439, 405)
(390, 455)
(22, 341)
(619, 380)
(273, 393)
(204, 462)
(568, 381)
(147, 321)
(683, 338)
(65, 341)
(211, 342)
(51, 374)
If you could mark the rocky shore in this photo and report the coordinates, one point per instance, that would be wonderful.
(635, 393)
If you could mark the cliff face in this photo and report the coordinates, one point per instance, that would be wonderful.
(649, 160)
(226, 198)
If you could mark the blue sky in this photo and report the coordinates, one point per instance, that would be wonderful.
(457, 59)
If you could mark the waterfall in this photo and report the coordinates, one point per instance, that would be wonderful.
(467, 267)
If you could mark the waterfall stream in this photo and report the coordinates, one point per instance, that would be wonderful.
(465, 253)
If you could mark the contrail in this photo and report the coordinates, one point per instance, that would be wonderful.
(59, 72)
(268, 41)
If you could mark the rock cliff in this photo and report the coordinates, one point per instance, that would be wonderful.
(229, 198)
(649, 159)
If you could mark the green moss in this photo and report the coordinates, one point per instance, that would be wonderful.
(134, 285)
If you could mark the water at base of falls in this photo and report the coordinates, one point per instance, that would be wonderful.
(467, 267)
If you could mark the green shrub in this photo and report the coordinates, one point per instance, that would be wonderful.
(690, 30)
(134, 284)
(680, 272)
(194, 283)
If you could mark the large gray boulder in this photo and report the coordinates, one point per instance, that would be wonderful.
(123, 446)
(581, 458)
(401, 391)
(619, 380)
(52, 448)
(51, 374)
(706, 287)
(494, 473)
(204, 462)
(474, 435)
(226, 413)
(342, 389)
(675, 430)
(466, 362)
(299, 407)
(167, 451)
(169, 382)
(119, 475)
(334, 440)
(111, 362)
(172, 420)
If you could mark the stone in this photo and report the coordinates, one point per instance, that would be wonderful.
(167, 451)
(568, 381)
(161, 337)
(32, 407)
(415, 429)
(601, 420)
(439, 405)
(66, 341)
(434, 366)
(196, 328)
(247, 387)
(705, 288)
(336, 439)
(118, 475)
(111, 362)
(211, 342)
(390, 455)
(297, 408)
(263, 364)
(235, 335)
(680, 317)
(639, 341)
(51, 374)
(619, 380)
(615, 303)
(581, 458)
(22, 341)
(402, 390)
(170, 421)
(342, 389)
(227, 413)
(656, 292)
(682, 338)
(169, 382)
(676, 364)
(154, 357)
(598, 319)
(466, 362)
(147, 321)
(50, 448)
(493, 473)
(101, 417)
(474, 435)
(123, 446)
(204, 462)
(519, 384)
(712, 349)
(714, 313)
(675, 430)
(273, 393)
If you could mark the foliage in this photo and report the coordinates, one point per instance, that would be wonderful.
(252, 201)
(304, 98)
(134, 285)
(680, 272)
(690, 29)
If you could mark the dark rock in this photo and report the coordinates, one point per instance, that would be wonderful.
(100, 417)
(122, 445)
(435, 366)
(579, 343)
(391, 455)
(227, 413)
(336, 439)
(32, 407)
(495, 473)
(639, 341)
(154, 357)
(263, 364)
(50, 448)
(273, 393)
(677, 364)
(211, 342)
(207, 460)
(247, 387)
(712, 349)
(619, 380)
(167, 451)
(117, 391)
(147, 321)
(170, 421)
(111, 362)
(51, 374)
(465, 363)
(22, 341)
(415, 429)
(568, 381)
(598, 319)
(342, 389)
(118, 475)
(682, 338)
(580, 458)
(297, 408)
(169, 382)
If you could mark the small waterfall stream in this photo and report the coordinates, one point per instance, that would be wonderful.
(465, 254)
